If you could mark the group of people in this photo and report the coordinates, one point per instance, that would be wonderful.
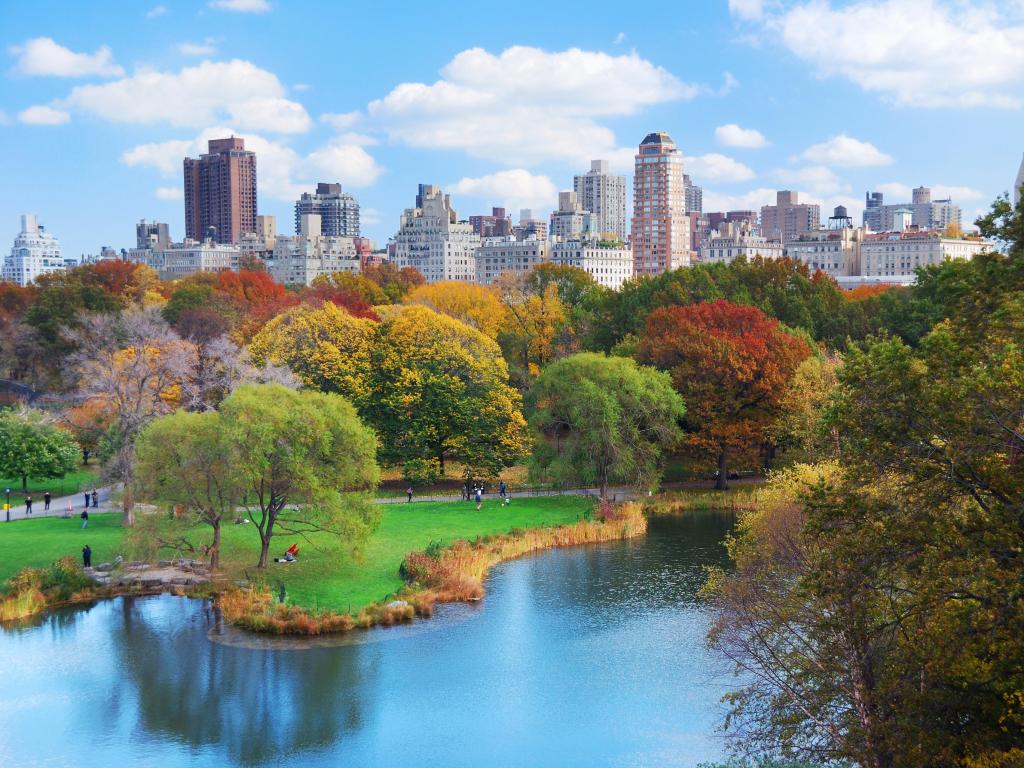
(476, 493)
(90, 496)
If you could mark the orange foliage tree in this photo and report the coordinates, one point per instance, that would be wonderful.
(731, 364)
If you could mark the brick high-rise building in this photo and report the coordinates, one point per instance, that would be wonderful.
(220, 192)
(789, 218)
(661, 228)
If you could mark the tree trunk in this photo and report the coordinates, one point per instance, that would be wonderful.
(264, 553)
(24, 483)
(215, 549)
(440, 460)
(722, 481)
(128, 507)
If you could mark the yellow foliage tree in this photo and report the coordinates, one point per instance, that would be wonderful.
(532, 321)
(326, 347)
(475, 305)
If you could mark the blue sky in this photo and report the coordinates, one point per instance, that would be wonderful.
(500, 103)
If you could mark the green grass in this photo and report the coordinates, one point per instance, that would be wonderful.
(326, 576)
(71, 483)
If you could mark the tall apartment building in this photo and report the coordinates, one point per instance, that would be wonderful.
(1018, 183)
(152, 234)
(925, 213)
(220, 192)
(299, 260)
(338, 211)
(498, 224)
(604, 195)
(694, 195)
(789, 217)
(529, 226)
(35, 252)
(431, 239)
(497, 256)
(570, 221)
(836, 252)
(660, 227)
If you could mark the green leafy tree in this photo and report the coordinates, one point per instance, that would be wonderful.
(32, 446)
(603, 420)
(183, 459)
(301, 460)
(439, 389)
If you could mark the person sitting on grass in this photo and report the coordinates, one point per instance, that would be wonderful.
(290, 555)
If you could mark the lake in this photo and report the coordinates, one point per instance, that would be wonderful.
(589, 656)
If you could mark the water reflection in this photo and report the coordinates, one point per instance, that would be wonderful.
(586, 656)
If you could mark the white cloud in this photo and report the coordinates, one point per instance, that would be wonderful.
(619, 39)
(744, 201)
(940, 191)
(731, 135)
(525, 104)
(341, 121)
(817, 179)
(729, 84)
(43, 115)
(715, 167)
(747, 10)
(283, 173)
(44, 56)
(234, 91)
(241, 6)
(901, 49)
(169, 193)
(894, 190)
(207, 47)
(156, 11)
(369, 217)
(514, 189)
(846, 152)
(301, 87)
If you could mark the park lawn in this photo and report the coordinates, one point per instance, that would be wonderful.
(326, 575)
(73, 482)
(41, 541)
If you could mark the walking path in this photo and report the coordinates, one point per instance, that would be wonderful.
(65, 506)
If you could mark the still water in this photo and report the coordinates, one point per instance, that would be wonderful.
(591, 656)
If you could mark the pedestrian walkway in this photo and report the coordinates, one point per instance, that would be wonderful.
(614, 494)
(65, 506)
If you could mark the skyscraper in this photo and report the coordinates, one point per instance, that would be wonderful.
(694, 195)
(661, 228)
(604, 195)
(220, 192)
(35, 252)
(1018, 183)
(432, 239)
(788, 218)
(338, 211)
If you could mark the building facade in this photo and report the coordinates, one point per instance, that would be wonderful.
(299, 260)
(1018, 183)
(836, 252)
(497, 256)
(570, 221)
(338, 211)
(694, 195)
(220, 192)
(925, 213)
(183, 259)
(432, 240)
(152, 234)
(604, 195)
(732, 240)
(785, 220)
(530, 227)
(609, 266)
(660, 232)
(35, 252)
(898, 254)
(498, 224)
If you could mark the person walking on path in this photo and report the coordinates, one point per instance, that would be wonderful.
(28, 505)
(408, 492)
(46, 501)
(501, 489)
(86, 499)
(95, 499)
(86, 556)
(85, 518)
(479, 497)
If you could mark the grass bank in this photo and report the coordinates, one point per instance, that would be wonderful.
(326, 578)
(739, 497)
(436, 574)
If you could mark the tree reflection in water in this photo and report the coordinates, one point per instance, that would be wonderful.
(259, 706)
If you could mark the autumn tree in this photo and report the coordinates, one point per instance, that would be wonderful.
(803, 408)
(31, 445)
(301, 458)
(476, 305)
(325, 347)
(183, 459)
(130, 365)
(731, 364)
(533, 325)
(439, 389)
(360, 285)
(396, 282)
(602, 420)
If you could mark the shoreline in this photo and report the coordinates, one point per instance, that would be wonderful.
(454, 573)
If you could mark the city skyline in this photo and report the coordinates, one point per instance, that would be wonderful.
(103, 104)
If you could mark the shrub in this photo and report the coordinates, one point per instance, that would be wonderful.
(421, 471)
